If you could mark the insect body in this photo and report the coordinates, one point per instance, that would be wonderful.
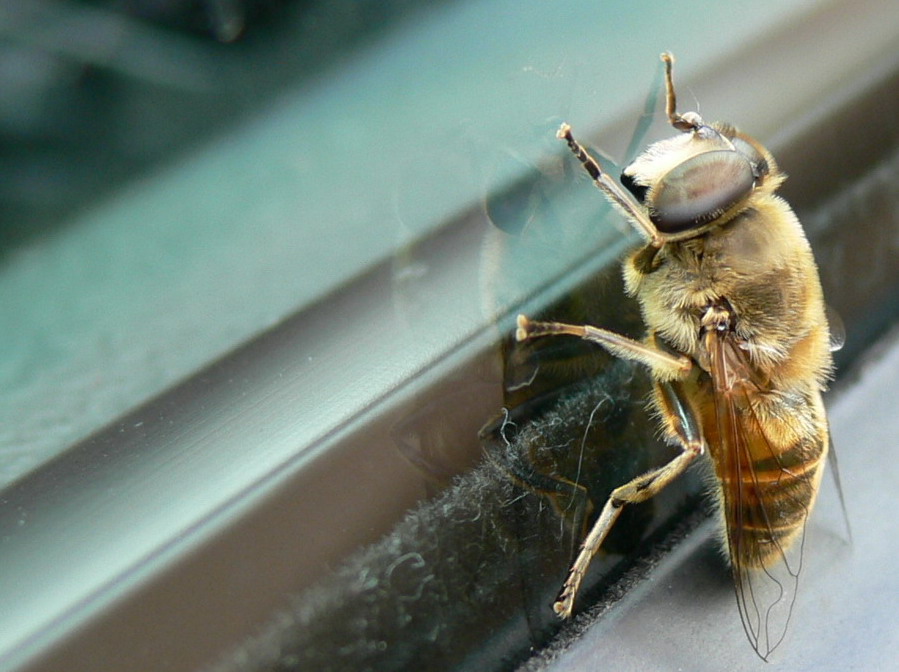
(738, 347)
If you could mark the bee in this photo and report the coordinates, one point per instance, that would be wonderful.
(738, 348)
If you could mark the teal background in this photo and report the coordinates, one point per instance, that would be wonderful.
(199, 252)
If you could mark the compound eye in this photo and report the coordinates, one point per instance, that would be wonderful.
(700, 189)
(760, 166)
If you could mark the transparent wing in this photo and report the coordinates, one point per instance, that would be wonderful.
(768, 483)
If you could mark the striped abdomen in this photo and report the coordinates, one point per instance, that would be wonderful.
(768, 451)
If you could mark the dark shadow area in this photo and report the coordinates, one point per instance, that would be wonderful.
(94, 94)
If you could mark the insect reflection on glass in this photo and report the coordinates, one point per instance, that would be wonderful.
(738, 346)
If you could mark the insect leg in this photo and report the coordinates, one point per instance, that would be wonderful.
(664, 365)
(679, 420)
(686, 122)
(613, 193)
(681, 423)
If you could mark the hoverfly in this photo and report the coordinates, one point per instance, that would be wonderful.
(737, 345)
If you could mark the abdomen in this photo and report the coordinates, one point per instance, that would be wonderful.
(768, 452)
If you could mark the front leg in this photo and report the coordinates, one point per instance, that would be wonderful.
(613, 193)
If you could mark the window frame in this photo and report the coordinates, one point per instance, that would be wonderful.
(233, 559)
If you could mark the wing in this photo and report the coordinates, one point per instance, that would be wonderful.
(768, 458)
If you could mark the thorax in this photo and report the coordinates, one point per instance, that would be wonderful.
(758, 267)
